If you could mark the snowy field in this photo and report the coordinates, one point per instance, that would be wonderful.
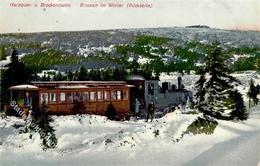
(94, 140)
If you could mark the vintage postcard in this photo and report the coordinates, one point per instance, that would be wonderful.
(130, 82)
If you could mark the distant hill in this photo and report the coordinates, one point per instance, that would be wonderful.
(100, 44)
(197, 26)
(73, 42)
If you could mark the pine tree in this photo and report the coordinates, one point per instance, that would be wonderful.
(240, 111)
(70, 76)
(252, 93)
(47, 133)
(59, 77)
(2, 53)
(214, 94)
(200, 103)
(119, 74)
(92, 74)
(107, 75)
(82, 74)
(134, 66)
(98, 75)
(16, 74)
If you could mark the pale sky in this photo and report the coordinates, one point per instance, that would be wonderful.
(225, 14)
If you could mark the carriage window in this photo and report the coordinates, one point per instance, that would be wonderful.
(78, 96)
(92, 96)
(106, 95)
(69, 97)
(119, 95)
(52, 97)
(113, 95)
(100, 95)
(85, 96)
(125, 95)
(62, 97)
(151, 89)
(44, 98)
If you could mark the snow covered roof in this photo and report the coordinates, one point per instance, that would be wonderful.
(72, 86)
(135, 77)
(130, 86)
(67, 83)
(24, 87)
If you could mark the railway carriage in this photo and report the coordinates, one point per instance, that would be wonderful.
(72, 97)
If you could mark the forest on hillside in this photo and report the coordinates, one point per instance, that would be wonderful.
(144, 53)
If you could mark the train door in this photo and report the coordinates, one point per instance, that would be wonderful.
(137, 93)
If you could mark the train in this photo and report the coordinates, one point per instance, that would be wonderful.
(95, 97)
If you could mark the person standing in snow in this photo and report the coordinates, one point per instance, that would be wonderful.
(137, 107)
(183, 107)
(29, 120)
(150, 111)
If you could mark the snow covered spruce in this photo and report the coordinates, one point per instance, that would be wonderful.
(216, 94)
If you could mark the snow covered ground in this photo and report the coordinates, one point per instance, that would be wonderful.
(94, 140)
